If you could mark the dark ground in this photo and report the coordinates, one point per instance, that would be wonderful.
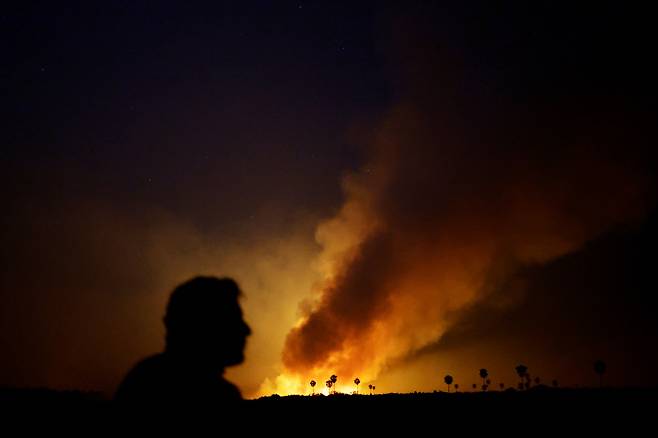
(539, 409)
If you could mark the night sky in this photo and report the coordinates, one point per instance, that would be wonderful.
(401, 190)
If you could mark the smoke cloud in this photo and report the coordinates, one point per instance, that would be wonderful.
(461, 190)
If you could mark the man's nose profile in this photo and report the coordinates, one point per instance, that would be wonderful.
(205, 333)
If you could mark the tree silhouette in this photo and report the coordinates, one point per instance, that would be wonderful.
(334, 379)
(475, 386)
(448, 380)
(456, 387)
(329, 384)
(312, 383)
(370, 388)
(522, 371)
(373, 388)
(356, 382)
(599, 368)
(484, 374)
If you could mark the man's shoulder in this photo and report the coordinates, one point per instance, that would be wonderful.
(142, 377)
(154, 361)
(151, 365)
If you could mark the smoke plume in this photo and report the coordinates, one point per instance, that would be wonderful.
(459, 192)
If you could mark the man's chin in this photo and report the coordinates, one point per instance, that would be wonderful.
(235, 360)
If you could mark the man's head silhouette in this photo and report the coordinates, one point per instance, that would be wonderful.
(204, 322)
(205, 334)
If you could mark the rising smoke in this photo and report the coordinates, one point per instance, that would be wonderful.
(460, 191)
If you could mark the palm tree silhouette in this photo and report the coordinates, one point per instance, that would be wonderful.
(370, 388)
(448, 380)
(356, 382)
(312, 383)
(373, 388)
(329, 384)
(484, 374)
(599, 368)
(522, 371)
(333, 379)
(456, 387)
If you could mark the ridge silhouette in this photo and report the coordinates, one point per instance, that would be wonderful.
(205, 333)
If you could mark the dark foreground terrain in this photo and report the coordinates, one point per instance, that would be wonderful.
(539, 408)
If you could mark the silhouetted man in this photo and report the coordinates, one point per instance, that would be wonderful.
(205, 334)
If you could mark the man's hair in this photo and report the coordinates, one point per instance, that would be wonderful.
(201, 297)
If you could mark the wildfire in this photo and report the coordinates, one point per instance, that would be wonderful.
(414, 244)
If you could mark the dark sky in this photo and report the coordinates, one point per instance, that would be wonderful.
(144, 142)
(161, 102)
